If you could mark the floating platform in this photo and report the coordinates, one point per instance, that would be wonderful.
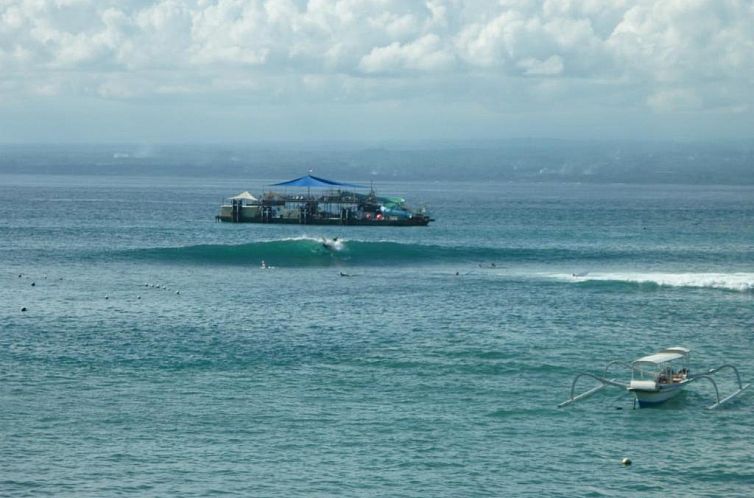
(336, 206)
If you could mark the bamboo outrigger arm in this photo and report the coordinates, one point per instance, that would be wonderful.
(603, 384)
(741, 387)
(617, 362)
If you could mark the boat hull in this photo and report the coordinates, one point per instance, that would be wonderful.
(416, 221)
(653, 397)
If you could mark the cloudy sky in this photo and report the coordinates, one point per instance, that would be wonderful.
(323, 70)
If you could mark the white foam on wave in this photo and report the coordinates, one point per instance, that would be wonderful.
(319, 239)
(743, 282)
(333, 244)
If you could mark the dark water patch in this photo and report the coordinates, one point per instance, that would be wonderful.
(526, 413)
(478, 354)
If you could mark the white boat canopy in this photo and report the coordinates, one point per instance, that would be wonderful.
(244, 196)
(664, 356)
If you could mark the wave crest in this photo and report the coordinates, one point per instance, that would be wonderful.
(741, 282)
(312, 251)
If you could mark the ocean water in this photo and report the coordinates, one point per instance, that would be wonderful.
(433, 369)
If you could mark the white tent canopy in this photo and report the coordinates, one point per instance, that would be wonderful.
(244, 196)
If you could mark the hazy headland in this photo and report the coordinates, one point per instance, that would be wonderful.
(527, 160)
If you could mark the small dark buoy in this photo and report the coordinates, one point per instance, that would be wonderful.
(33, 284)
(107, 297)
(626, 462)
(138, 297)
(23, 309)
(20, 275)
(178, 292)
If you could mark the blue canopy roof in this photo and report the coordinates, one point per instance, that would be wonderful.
(313, 181)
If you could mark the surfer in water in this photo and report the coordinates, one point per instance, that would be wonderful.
(264, 265)
(330, 244)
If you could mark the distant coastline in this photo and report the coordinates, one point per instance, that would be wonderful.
(524, 160)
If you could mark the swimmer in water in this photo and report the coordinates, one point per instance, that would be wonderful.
(264, 265)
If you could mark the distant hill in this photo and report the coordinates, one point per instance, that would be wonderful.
(512, 160)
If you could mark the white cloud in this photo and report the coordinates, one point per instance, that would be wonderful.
(424, 54)
(675, 99)
(552, 66)
(661, 55)
(686, 40)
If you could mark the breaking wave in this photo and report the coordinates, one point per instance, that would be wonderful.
(741, 282)
(308, 251)
(311, 251)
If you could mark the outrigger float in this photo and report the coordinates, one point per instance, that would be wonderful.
(657, 378)
(338, 205)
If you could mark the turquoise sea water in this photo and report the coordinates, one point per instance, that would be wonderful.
(403, 379)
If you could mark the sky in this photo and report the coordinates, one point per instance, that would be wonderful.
(199, 71)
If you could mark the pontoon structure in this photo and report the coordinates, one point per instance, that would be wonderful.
(336, 204)
(657, 378)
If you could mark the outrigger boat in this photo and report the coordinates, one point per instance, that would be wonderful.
(657, 378)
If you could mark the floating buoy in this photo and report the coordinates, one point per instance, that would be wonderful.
(20, 275)
(177, 292)
(33, 284)
(626, 461)
(23, 309)
(138, 297)
(107, 297)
